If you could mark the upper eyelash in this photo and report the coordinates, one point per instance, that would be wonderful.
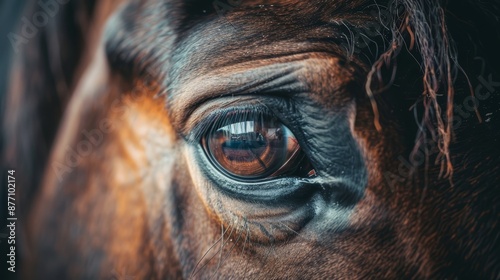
(220, 118)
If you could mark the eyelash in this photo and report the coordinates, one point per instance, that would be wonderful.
(220, 118)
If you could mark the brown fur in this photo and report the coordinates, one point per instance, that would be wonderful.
(140, 202)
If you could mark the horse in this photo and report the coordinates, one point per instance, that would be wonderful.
(258, 139)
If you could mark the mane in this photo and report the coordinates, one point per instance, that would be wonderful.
(423, 26)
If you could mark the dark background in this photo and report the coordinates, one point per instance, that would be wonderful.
(10, 13)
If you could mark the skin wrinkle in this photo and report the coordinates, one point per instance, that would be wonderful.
(297, 80)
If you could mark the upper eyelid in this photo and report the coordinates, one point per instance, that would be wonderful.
(218, 105)
(256, 81)
(188, 98)
(285, 79)
(202, 128)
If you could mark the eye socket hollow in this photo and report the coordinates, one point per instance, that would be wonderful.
(252, 146)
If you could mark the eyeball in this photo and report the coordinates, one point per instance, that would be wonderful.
(251, 146)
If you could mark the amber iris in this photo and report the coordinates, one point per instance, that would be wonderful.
(253, 147)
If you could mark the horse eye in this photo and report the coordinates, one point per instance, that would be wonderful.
(252, 147)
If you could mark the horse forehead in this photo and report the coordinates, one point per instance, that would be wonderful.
(238, 36)
(235, 42)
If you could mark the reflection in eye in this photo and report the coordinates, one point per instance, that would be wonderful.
(252, 145)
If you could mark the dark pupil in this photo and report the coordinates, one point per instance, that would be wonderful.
(253, 148)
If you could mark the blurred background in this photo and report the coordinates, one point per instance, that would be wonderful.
(10, 13)
(42, 45)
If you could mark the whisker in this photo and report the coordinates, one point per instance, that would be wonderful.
(234, 245)
(228, 253)
(290, 229)
(221, 249)
(195, 271)
(246, 239)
